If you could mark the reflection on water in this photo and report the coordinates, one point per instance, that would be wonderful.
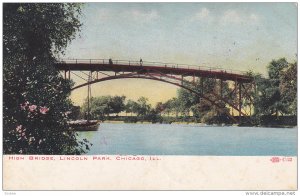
(175, 139)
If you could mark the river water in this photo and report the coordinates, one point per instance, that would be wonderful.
(178, 139)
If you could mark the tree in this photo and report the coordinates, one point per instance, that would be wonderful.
(288, 88)
(104, 105)
(269, 99)
(208, 87)
(168, 108)
(131, 107)
(143, 107)
(186, 100)
(175, 106)
(154, 116)
(117, 104)
(171, 106)
(35, 96)
(275, 68)
(159, 108)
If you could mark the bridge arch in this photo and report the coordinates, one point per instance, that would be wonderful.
(176, 81)
(166, 72)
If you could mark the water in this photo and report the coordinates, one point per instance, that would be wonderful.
(175, 139)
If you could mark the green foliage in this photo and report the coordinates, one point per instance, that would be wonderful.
(39, 28)
(200, 107)
(288, 88)
(117, 104)
(276, 67)
(159, 108)
(104, 105)
(186, 101)
(277, 94)
(172, 106)
(143, 108)
(153, 116)
(131, 107)
(99, 107)
(35, 96)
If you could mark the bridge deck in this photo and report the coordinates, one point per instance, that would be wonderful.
(152, 67)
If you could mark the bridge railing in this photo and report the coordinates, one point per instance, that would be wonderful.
(149, 63)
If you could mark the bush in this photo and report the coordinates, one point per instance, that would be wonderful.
(35, 97)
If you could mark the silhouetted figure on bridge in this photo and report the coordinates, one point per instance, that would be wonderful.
(141, 62)
(110, 61)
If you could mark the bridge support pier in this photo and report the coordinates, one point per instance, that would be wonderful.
(240, 101)
(221, 88)
(202, 85)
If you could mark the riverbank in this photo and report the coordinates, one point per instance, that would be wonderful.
(202, 124)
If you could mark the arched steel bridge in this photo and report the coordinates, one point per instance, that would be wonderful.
(180, 75)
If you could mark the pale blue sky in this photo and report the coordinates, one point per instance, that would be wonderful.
(238, 36)
(230, 35)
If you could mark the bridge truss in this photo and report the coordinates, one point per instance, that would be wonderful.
(241, 85)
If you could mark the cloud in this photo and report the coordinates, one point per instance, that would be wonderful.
(204, 13)
(254, 18)
(228, 17)
(235, 17)
(231, 17)
(144, 16)
(103, 14)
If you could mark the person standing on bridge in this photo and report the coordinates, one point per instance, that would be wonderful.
(141, 62)
(110, 61)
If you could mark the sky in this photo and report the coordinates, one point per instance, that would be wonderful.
(239, 36)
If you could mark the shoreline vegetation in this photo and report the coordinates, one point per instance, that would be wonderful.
(290, 122)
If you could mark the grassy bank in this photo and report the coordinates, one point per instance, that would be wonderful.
(280, 122)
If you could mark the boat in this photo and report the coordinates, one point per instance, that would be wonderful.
(84, 125)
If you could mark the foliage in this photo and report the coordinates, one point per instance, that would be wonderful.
(153, 116)
(159, 108)
(186, 101)
(117, 104)
(200, 107)
(104, 105)
(172, 106)
(288, 88)
(131, 107)
(277, 94)
(99, 107)
(35, 96)
(143, 108)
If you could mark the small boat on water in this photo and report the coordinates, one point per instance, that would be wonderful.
(84, 125)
